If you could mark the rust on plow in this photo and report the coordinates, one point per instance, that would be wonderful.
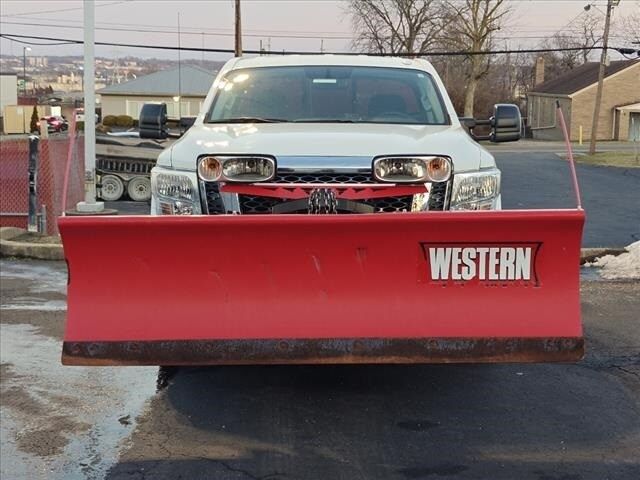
(324, 351)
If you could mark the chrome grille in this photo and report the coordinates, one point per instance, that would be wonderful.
(214, 200)
(391, 204)
(323, 178)
(251, 204)
(438, 195)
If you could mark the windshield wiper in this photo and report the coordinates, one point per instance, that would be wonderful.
(248, 120)
(324, 120)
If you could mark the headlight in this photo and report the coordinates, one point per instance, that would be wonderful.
(412, 169)
(236, 169)
(475, 191)
(209, 169)
(174, 193)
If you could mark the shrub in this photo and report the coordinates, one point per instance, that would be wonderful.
(80, 126)
(33, 126)
(110, 120)
(124, 121)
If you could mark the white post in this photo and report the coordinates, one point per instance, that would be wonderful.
(89, 204)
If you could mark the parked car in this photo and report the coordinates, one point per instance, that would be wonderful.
(80, 115)
(55, 123)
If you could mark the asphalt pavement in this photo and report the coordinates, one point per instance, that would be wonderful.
(611, 195)
(540, 421)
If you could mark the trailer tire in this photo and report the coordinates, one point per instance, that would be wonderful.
(139, 189)
(111, 188)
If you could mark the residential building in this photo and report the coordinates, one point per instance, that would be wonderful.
(576, 92)
(182, 89)
(8, 90)
(8, 93)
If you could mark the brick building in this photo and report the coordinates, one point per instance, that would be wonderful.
(576, 92)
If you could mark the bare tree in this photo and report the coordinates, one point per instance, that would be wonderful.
(397, 26)
(630, 28)
(589, 29)
(557, 63)
(471, 27)
(583, 34)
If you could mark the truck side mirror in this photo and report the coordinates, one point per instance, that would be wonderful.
(505, 123)
(153, 121)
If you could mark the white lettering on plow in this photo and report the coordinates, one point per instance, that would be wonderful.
(483, 263)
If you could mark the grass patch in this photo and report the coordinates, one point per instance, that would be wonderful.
(30, 237)
(610, 159)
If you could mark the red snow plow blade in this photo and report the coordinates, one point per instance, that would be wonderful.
(436, 287)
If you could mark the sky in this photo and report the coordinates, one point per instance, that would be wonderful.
(306, 25)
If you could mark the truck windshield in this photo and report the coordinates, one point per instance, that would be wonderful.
(328, 94)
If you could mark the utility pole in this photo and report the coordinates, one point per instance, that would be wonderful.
(24, 69)
(603, 60)
(238, 48)
(202, 60)
(179, 77)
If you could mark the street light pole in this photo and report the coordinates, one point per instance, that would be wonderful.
(601, 71)
(89, 205)
(24, 69)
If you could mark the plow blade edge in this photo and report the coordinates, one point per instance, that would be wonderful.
(499, 286)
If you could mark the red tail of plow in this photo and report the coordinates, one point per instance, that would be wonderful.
(497, 286)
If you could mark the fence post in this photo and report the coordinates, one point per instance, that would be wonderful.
(32, 224)
(43, 219)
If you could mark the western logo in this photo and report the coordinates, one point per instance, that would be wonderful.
(487, 263)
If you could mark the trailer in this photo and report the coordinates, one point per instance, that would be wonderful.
(123, 166)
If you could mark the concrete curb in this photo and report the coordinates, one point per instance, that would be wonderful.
(54, 251)
(590, 254)
(41, 251)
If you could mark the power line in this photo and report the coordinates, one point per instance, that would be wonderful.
(173, 32)
(61, 9)
(201, 33)
(375, 54)
(198, 30)
(43, 44)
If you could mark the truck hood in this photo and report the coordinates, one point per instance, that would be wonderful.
(326, 140)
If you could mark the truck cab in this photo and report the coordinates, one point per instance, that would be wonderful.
(327, 134)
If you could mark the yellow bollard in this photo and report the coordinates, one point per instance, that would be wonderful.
(580, 135)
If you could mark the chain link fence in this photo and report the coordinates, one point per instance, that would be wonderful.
(56, 154)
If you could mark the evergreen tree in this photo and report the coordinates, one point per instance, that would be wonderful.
(34, 120)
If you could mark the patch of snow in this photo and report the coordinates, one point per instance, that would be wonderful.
(48, 306)
(44, 277)
(618, 267)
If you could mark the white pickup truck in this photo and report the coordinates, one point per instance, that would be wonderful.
(325, 209)
(327, 134)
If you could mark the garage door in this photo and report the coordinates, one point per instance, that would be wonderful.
(634, 127)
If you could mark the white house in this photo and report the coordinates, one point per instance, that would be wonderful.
(8, 90)
(187, 86)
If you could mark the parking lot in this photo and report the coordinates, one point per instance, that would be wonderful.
(541, 422)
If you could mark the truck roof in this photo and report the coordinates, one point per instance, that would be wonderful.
(329, 59)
